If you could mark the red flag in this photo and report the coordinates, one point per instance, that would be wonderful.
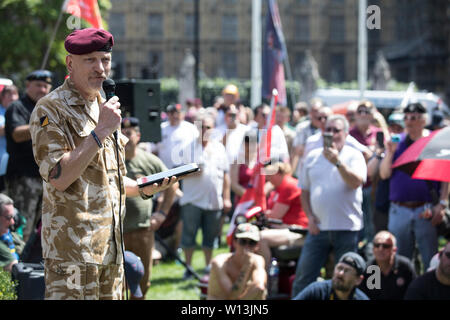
(85, 9)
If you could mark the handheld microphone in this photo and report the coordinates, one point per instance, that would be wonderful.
(109, 87)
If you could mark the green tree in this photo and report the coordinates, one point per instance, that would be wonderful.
(25, 30)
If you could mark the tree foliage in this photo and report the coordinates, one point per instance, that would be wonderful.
(7, 286)
(26, 27)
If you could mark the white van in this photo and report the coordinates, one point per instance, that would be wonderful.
(385, 101)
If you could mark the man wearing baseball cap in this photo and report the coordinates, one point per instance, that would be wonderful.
(85, 183)
(23, 182)
(413, 215)
(347, 276)
(240, 275)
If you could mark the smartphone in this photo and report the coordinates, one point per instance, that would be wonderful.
(159, 177)
(380, 139)
(327, 139)
(395, 138)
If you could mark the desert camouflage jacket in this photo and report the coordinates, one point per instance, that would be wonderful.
(80, 224)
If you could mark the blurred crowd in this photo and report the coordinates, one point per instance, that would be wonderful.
(330, 174)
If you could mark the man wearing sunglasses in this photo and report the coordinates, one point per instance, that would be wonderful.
(306, 129)
(206, 194)
(239, 275)
(396, 271)
(410, 199)
(434, 284)
(331, 182)
(10, 243)
(365, 133)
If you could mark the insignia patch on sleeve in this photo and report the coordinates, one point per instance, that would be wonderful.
(44, 121)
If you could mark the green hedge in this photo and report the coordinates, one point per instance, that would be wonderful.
(7, 287)
(210, 88)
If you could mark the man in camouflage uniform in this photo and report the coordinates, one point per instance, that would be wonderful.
(23, 183)
(72, 133)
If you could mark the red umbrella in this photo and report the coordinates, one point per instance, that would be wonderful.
(428, 158)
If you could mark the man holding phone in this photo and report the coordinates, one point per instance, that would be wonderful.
(331, 182)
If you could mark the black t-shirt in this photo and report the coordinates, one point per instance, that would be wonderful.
(394, 285)
(21, 160)
(427, 287)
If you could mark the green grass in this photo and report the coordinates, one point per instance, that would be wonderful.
(166, 278)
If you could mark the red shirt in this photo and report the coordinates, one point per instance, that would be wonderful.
(367, 139)
(288, 194)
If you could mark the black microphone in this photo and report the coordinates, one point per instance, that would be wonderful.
(109, 87)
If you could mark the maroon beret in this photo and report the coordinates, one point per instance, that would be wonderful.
(84, 41)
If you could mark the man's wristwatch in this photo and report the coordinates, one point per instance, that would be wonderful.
(444, 203)
(380, 156)
(338, 164)
(143, 195)
(160, 212)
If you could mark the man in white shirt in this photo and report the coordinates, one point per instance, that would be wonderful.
(205, 194)
(316, 141)
(306, 129)
(279, 148)
(176, 135)
(331, 182)
(232, 133)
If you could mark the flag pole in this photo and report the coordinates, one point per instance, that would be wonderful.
(52, 38)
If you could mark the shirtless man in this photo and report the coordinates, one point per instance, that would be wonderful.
(240, 275)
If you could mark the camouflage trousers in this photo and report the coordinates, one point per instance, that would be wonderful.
(82, 281)
(27, 195)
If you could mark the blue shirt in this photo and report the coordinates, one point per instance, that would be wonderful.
(322, 290)
(8, 240)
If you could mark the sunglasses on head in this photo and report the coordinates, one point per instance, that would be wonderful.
(384, 245)
(334, 130)
(245, 242)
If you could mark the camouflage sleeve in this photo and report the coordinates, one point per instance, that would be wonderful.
(123, 140)
(49, 139)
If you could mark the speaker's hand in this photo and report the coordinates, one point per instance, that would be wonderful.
(109, 118)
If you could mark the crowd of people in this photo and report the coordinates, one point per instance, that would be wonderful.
(330, 174)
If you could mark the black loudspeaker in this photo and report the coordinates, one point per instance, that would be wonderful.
(30, 281)
(142, 99)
